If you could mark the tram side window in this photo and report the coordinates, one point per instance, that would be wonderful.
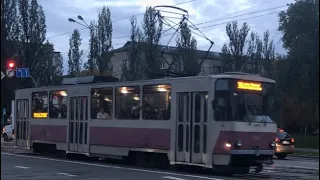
(128, 102)
(223, 111)
(58, 104)
(101, 103)
(156, 102)
(40, 105)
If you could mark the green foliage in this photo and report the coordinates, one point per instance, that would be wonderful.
(31, 34)
(100, 41)
(248, 54)
(75, 53)
(104, 38)
(302, 141)
(233, 53)
(300, 27)
(91, 64)
(152, 26)
(185, 56)
(134, 69)
(58, 70)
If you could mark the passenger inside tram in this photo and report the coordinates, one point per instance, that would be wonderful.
(102, 114)
(38, 106)
(63, 112)
(53, 111)
(149, 111)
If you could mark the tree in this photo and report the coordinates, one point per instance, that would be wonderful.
(104, 39)
(152, 27)
(186, 61)
(91, 65)
(75, 53)
(58, 69)
(134, 69)
(254, 53)
(233, 54)
(300, 27)
(32, 35)
(269, 57)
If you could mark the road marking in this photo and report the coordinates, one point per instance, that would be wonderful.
(22, 167)
(66, 174)
(298, 167)
(113, 167)
(173, 178)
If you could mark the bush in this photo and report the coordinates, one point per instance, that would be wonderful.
(309, 141)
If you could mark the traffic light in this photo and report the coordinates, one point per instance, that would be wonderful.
(11, 64)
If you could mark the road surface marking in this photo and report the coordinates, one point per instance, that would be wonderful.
(114, 167)
(298, 167)
(66, 174)
(22, 167)
(173, 178)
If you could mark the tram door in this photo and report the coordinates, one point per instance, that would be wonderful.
(78, 124)
(191, 137)
(21, 129)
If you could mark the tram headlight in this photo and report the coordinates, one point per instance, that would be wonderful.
(273, 144)
(228, 145)
(239, 143)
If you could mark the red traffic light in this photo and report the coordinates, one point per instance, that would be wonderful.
(11, 64)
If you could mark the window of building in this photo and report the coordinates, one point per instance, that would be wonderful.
(101, 103)
(217, 69)
(202, 68)
(40, 104)
(58, 104)
(210, 70)
(124, 63)
(156, 102)
(128, 102)
(162, 66)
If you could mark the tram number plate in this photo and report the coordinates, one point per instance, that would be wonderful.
(285, 142)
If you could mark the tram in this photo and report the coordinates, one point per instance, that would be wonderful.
(221, 122)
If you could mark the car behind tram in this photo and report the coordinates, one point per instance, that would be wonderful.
(222, 122)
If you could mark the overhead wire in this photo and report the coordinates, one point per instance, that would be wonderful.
(213, 25)
(124, 18)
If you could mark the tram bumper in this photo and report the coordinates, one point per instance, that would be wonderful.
(251, 157)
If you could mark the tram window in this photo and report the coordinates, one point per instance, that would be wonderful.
(58, 104)
(40, 105)
(128, 102)
(101, 103)
(156, 102)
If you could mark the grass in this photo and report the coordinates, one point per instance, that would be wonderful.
(302, 141)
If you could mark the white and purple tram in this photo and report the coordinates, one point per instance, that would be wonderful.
(218, 121)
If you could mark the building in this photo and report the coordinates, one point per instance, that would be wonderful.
(211, 65)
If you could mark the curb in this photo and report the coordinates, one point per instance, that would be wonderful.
(305, 156)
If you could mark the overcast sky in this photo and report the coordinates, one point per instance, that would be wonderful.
(218, 12)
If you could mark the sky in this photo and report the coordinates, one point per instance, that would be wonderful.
(209, 16)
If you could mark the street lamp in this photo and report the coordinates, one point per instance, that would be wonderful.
(80, 18)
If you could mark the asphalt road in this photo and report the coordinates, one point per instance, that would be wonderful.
(17, 165)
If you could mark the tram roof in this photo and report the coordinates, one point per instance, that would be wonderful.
(243, 76)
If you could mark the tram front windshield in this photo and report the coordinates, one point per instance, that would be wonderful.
(241, 100)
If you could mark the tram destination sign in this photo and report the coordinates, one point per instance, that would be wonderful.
(254, 86)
